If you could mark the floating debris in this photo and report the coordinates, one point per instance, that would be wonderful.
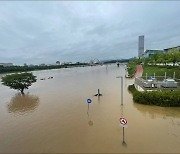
(51, 77)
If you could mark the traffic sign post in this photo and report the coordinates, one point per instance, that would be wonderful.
(123, 122)
(123, 142)
(89, 102)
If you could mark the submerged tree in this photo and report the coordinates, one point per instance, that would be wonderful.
(19, 81)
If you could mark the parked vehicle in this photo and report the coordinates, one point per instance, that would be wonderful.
(169, 83)
(150, 84)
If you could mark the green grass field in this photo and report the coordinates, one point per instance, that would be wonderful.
(160, 71)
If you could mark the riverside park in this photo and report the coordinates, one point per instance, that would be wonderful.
(89, 77)
(53, 115)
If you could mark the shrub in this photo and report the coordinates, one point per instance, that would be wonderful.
(131, 88)
(159, 98)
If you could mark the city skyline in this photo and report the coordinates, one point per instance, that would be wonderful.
(38, 32)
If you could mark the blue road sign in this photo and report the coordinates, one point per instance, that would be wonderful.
(89, 101)
(151, 77)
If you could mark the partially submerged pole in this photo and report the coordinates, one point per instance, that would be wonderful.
(123, 123)
(88, 101)
(98, 94)
(121, 90)
(123, 135)
(123, 142)
(88, 110)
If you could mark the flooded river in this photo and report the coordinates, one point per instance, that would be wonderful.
(53, 116)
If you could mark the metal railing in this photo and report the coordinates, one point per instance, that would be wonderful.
(157, 84)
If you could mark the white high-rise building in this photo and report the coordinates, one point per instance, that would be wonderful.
(141, 46)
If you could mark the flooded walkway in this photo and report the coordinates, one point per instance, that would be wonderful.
(53, 116)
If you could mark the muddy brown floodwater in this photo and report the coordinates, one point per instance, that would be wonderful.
(53, 116)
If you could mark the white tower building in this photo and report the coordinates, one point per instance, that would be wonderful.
(141, 46)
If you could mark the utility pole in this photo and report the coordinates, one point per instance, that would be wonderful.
(121, 88)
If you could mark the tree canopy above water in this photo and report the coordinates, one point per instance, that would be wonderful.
(19, 81)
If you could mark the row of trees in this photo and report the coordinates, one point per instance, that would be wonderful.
(36, 67)
(173, 56)
(22, 81)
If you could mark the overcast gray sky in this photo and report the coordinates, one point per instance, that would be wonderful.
(44, 32)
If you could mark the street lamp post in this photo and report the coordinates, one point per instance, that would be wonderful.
(121, 89)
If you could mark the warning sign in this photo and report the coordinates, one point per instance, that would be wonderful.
(123, 121)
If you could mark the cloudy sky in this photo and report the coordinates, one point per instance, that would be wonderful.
(46, 31)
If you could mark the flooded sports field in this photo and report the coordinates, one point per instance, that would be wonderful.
(53, 116)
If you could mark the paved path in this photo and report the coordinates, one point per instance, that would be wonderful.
(139, 71)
